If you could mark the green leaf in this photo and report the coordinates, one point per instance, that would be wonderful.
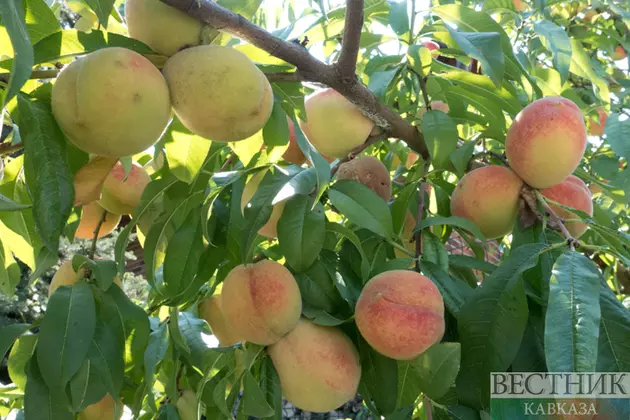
(464, 261)
(398, 18)
(153, 355)
(40, 20)
(617, 134)
(185, 151)
(193, 330)
(614, 334)
(102, 8)
(434, 251)
(352, 237)
(321, 165)
(454, 292)
(486, 48)
(317, 287)
(560, 46)
(19, 357)
(66, 334)
(573, 314)
(437, 368)
(461, 156)
(419, 58)
(246, 8)
(581, 66)
(379, 374)
(106, 356)
(40, 402)
(276, 130)
(6, 204)
(362, 206)
(183, 254)
(270, 385)
(46, 169)
(491, 325)
(301, 232)
(451, 221)
(8, 334)
(440, 133)
(10, 273)
(13, 19)
(254, 401)
(85, 387)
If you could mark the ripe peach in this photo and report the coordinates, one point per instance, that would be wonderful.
(436, 106)
(293, 154)
(318, 367)
(400, 314)
(573, 193)
(66, 276)
(105, 409)
(488, 197)
(619, 53)
(546, 141)
(113, 102)
(519, 6)
(121, 192)
(163, 28)
(431, 45)
(370, 172)
(218, 93)
(90, 216)
(88, 181)
(269, 229)
(211, 309)
(261, 302)
(597, 125)
(335, 126)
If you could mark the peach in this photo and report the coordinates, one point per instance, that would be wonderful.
(163, 28)
(400, 314)
(113, 102)
(187, 405)
(218, 93)
(488, 197)
(66, 276)
(105, 409)
(88, 181)
(335, 126)
(211, 309)
(597, 125)
(90, 216)
(411, 159)
(546, 141)
(435, 106)
(269, 229)
(121, 192)
(370, 172)
(619, 53)
(293, 154)
(431, 45)
(261, 301)
(318, 367)
(573, 193)
(519, 6)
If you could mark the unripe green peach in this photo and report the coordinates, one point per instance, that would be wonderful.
(546, 141)
(211, 309)
(488, 197)
(218, 93)
(269, 229)
(113, 102)
(121, 193)
(105, 409)
(400, 314)
(334, 126)
(261, 301)
(318, 367)
(90, 216)
(574, 193)
(370, 172)
(187, 405)
(162, 27)
(66, 276)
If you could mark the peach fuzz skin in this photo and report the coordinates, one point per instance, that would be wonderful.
(318, 367)
(546, 141)
(488, 197)
(400, 314)
(261, 302)
(573, 193)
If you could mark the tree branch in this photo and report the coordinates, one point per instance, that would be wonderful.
(8, 148)
(370, 141)
(36, 74)
(275, 77)
(347, 63)
(97, 229)
(310, 68)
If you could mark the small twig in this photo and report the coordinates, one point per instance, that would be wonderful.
(357, 150)
(423, 89)
(495, 155)
(8, 148)
(347, 63)
(557, 221)
(35, 74)
(418, 238)
(427, 407)
(97, 229)
(287, 77)
(412, 22)
(227, 162)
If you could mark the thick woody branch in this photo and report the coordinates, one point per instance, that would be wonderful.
(347, 63)
(309, 67)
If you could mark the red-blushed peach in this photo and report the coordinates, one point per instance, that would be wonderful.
(90, 216)
(573, 193)
(293, 154)
(261, 302)
(546, 141)
(269, 229)
(597, 124)
(435, 106)
(619, 53)
(121, 192)
(334, 126)
(105, 409)
(218, 93)
(370, 172)
(431, 45)
(112, 102)
(400, 314)
(318, 367)
(519, 6)
(211, 309)
(488, 197)
(66, 276)
(162, 27)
